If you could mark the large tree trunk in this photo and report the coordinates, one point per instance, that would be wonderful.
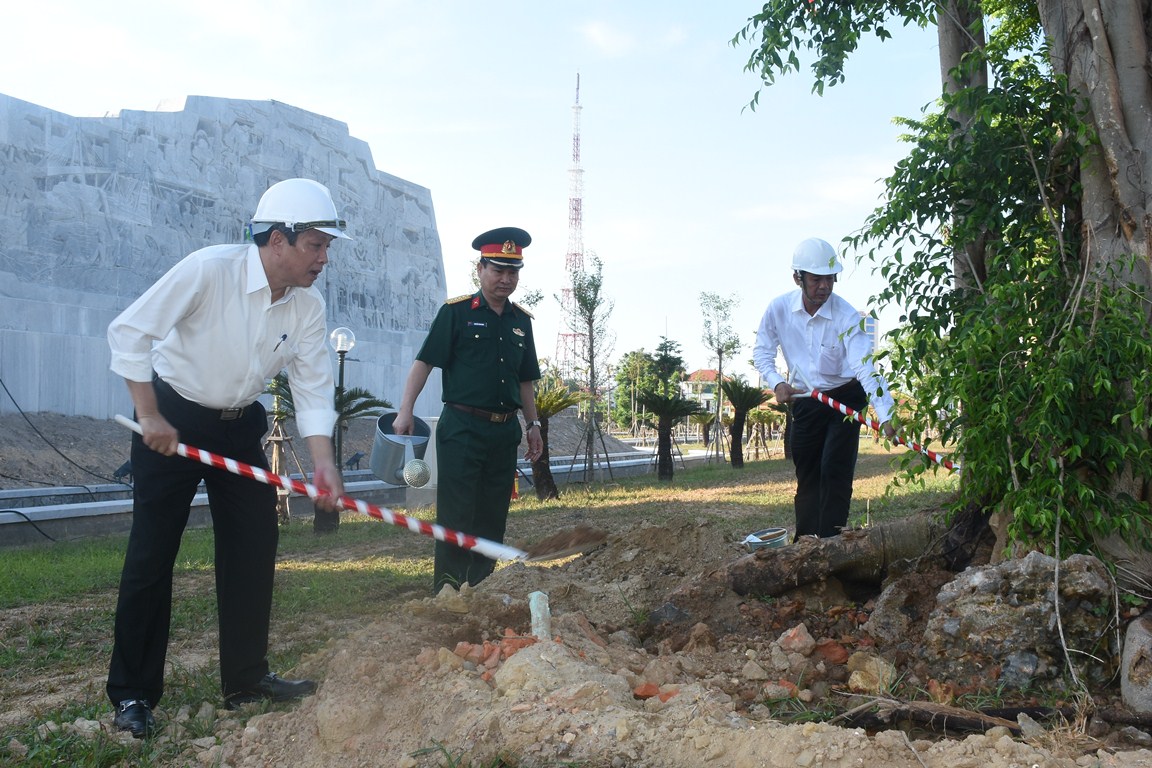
(1103, 49)
(859, 556)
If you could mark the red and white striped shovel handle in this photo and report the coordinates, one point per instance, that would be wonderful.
(486, 547)
(875, 425)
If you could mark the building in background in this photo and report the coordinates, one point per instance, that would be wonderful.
(701, 386)
(93, 210)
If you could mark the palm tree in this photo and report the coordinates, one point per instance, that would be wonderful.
(744, 397)
(552, 398)
(669, 410)
(704, 419)
(350, 403)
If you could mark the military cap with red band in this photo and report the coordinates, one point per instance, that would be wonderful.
(503, 246)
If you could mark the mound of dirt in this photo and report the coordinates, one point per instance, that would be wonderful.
(594, 681)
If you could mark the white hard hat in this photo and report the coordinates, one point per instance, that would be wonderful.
(817, 257)
(299, 204)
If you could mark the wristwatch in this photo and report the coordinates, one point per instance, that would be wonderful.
(530, 424)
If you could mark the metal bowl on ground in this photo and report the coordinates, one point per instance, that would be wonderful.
(769, 538)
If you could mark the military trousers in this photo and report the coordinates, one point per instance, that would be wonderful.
(476, 469)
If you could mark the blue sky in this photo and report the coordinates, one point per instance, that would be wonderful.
(685, 190)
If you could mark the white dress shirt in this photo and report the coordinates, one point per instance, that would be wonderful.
(823, 351)
(209, 328)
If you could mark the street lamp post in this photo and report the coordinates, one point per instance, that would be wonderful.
(342, 340)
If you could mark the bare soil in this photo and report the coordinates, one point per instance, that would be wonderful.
(608, 677)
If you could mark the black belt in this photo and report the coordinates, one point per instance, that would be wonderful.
(493, 416)
(223, 414)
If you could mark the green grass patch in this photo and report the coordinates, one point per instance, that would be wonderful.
(341, 590)
(60, 571)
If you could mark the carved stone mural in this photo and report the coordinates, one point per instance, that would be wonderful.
(93, 210)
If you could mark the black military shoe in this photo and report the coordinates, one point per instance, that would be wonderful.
(271, 687)
(135, 716)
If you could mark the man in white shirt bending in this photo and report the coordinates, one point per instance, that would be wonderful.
(196, 350)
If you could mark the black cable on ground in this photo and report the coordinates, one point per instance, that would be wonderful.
(27, 520)
(53, 447)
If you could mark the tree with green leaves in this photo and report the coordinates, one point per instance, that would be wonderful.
(1015, 236)
(763, 421)
(669, 364)
(704, 420)
(721, 340)
(552, 397)
(640, 373)
(589, 316)
(744, 397)
(636, 375)
(669, 411)
(351, 403)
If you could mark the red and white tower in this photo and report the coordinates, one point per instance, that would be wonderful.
(569, 343)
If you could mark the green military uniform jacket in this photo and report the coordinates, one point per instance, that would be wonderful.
(483, 356)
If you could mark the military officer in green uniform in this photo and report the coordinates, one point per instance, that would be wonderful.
(484, 348)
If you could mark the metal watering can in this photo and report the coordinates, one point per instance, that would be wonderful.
(399, 459)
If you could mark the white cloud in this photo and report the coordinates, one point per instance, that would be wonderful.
(606, 39)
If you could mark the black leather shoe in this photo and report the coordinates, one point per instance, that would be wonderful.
(135, 716)
(271, 687)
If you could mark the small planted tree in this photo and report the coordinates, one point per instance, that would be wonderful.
(721, 339)
(744, 397)
(669, 410)
(704, 420)
(552, 397)
(588, 317)
(351, 403)
(635, 374)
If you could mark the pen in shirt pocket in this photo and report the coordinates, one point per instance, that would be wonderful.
(283, 338)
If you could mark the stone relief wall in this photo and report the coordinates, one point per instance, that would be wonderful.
(93, 210)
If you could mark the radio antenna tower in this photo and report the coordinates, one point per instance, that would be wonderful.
(569, 343)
